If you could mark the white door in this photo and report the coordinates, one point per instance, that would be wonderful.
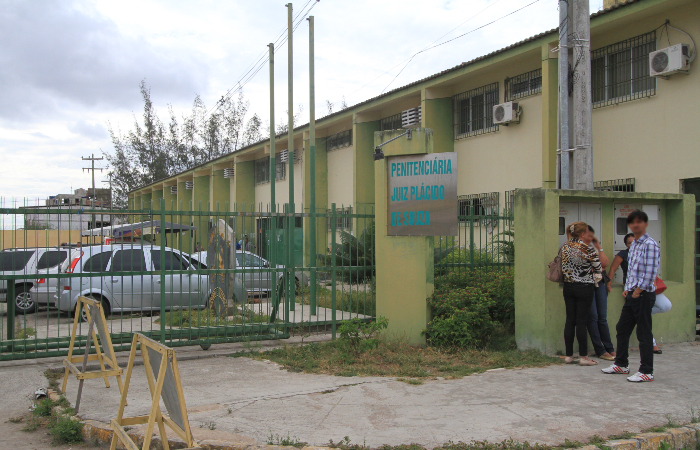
(592, 215)
(568, 213)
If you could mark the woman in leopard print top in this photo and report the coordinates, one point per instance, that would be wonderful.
(582, 270)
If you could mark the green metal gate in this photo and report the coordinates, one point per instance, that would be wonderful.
(167, 275)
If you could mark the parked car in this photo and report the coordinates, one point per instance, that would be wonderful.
(31, 263)
(140, 291)
(257, 280)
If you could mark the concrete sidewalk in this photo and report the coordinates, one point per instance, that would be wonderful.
(536, 405)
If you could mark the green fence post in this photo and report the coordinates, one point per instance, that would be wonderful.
(10, 309)
(162, 271)
(471, 237)
(333, 271)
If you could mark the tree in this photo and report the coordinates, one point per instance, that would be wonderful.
(153, 150)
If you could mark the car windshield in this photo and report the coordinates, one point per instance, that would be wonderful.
(13, 261)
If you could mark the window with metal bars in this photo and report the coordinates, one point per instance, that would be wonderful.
(619, 185)
(482, 205)
(262, 170)
(339, 140)
(509, 207)
(620, 71)
(473, 111)
(343, 221)
(391, 122)
(523, 85)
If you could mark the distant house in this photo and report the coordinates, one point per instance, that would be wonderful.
(65, 212)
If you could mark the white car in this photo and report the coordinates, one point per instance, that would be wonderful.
(256, 280)
(140, 291)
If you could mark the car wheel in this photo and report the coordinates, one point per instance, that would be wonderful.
(24, 304)
(105, 307)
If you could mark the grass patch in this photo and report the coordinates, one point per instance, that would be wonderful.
(25, 333)
(671, 423)
(622, 436)
(188, 318)
(64, 430)
(358, 301)
(395, 358)
(43, 407)
(32, 424)
(53, 376)
(345, 444)
(287, 441)
(412, 381)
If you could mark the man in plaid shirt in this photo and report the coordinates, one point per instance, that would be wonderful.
(640, 296)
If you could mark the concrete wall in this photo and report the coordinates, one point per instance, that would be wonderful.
(37, 238)
(262, 191)
(539, 305)
(340, 175)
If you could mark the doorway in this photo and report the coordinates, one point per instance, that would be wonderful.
(692, 186)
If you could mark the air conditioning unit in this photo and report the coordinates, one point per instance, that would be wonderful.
(284, 156)
(173, 190)
(229, 173)
(189, 185)
(411, 117)
(670, 60)
(506, 112)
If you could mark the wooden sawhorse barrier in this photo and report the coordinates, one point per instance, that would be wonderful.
(96, 320)
(164, 383)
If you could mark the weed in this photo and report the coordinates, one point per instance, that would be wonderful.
(210, 425)
(65, 430)
(230, 410)
(694, 415)
(32, 424)
(17, 419)
(188, 318)
(595, 440)
(571, 444)
(622, 436)
(660, 429)
(25, 333)
(664, 446)
(53, 376)
(362, 336)
(43, 407)
(670, 423)
(286, 441)
(62, 402)
(412, 381)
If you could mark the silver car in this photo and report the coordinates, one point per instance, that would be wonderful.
(138, 292)
(31, 263)
(257, 280)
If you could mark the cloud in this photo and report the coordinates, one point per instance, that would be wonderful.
(56, 55)
(89, 130)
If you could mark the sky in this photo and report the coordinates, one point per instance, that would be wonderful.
(70, 70)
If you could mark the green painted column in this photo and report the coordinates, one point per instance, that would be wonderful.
(131, 207)
(145, 205)
(201, 203)
(184, 202)
(155, 198)
(405, 267)
(321, 198)
(437, 115)
(220, 191)
(550, 102)
(363, 169)
(243, 194)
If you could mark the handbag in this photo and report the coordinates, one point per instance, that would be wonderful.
(555, 272)
(606, 277)
(660, 286)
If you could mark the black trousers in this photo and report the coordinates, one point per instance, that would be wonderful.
(578, 298)
(636, 312)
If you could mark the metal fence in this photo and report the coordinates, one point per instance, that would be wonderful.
(486, 238)
(183, 274)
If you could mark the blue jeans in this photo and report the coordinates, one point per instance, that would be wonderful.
(598, 322)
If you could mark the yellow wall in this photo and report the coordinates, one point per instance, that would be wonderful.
(340, 175)
(654, 140)
(262, 191)
(506, 159)
(38, 238)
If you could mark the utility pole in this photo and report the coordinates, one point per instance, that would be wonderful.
(92, 159)
(273, 166)
(583, 106)
(564, 154)
(312, 167)
(290, 155)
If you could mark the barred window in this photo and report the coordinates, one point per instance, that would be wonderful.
(523, 85)
(343, 220)
(391, 123)
(473, 111)
(619, 185)
(509, 207)
(482, 205)
(620, 72)
(339, 140)
(262, 170)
